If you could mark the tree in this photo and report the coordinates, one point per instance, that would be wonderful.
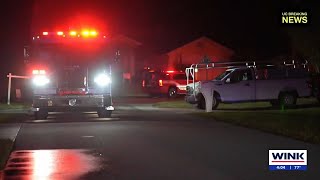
(305, 40)
(307, 43)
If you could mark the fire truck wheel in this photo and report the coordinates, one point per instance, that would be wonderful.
(172, 92)
(41, 114)
(103, 113)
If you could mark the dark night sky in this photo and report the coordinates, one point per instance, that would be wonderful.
(245, 26)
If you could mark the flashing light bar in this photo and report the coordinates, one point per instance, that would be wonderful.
(73, 33)
(85, 33)
(93, 33)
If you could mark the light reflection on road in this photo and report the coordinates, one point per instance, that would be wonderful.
(43, 164)
(51, 164)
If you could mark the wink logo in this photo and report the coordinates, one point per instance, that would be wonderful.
(290, 157)
(287, 159)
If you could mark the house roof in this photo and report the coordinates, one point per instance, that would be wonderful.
(124, 39)
(202, 39)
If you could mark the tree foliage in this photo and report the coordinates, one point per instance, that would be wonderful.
(305, 41)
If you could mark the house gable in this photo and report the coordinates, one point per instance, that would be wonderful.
(195, 51)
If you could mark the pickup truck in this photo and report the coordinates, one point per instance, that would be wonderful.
(171, 83)
(279, 86)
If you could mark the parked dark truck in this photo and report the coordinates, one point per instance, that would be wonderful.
(70, 71)
(278, 85)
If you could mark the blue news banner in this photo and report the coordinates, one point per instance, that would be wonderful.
(288, 167)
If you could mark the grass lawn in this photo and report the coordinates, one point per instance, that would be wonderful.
(302, 124)
(5, 149)
(236, 106)
(4, 106)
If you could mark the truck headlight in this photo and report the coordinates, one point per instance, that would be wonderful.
(40, 80)
(102, 80)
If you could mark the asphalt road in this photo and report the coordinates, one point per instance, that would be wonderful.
(141, 142)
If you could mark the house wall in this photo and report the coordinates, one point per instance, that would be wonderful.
(195, 51)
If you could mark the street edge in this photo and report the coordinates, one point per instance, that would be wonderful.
(12, 147)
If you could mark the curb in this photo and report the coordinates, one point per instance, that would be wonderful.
(12, 147)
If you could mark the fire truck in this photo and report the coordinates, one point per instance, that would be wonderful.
(70, 70)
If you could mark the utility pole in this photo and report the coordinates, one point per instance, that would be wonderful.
(9, 88)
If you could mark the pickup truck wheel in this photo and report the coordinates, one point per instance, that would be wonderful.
(201, 103)
(41, 114)
(288, 100)
(215, 103)
(172, 92)
(103, 113)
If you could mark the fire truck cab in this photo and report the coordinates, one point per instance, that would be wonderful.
(69, 71)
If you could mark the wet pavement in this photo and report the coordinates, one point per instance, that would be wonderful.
(139, 143)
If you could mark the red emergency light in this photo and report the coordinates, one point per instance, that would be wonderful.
(60, 33)
(170, 71)
(45, 33)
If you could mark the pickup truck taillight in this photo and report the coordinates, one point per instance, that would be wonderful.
(160, 82)
(143, 83)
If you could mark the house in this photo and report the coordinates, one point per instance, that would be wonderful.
(196, 50)
(192, 53)
(126, 50)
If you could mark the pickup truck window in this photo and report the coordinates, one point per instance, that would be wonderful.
(224, 74)
(241, 75)
(265, 74)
